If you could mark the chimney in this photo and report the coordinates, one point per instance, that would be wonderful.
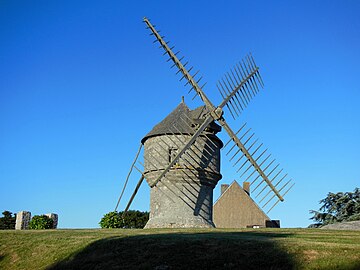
(246, 187)
(223, 188)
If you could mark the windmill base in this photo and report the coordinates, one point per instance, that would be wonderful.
(195, 222)
(180, 204)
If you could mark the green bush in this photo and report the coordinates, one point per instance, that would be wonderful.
(130, 220)
(7, 222)
(41, 223)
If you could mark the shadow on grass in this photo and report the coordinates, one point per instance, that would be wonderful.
(216, 250)
(1, 257)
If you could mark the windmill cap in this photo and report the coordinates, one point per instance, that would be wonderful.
(172, 122)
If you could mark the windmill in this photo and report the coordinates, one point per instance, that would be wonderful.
(181, 159)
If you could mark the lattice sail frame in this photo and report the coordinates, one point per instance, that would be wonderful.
(237, 88)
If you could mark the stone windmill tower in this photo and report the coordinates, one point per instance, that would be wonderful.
(184, 198)
(182, 153)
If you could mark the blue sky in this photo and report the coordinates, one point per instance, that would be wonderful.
(81, 83)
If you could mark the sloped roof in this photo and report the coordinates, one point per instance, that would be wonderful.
(236, 209)
(174, 122)
(198, 113)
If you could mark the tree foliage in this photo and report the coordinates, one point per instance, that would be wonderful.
(338, 207)
(7, 222)
(41, 223)
(130, 220)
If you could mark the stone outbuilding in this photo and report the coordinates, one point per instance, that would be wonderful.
(236, 209)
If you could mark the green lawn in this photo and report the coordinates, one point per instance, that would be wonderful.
(180, 249)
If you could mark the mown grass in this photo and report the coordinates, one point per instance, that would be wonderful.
(180, 249)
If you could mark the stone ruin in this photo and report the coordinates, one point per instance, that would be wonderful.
(54, 217)
(23, 219)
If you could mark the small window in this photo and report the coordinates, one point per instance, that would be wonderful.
(172, 153)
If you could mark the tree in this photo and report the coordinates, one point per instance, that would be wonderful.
(7, 222)
(41, 223)
(130, 220)
(338, 207)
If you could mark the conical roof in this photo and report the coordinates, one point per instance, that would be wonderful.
(174, 122)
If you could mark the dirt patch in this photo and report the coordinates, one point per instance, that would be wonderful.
(311, 255)
(14, 258)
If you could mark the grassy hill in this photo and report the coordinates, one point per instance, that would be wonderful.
(180, 249)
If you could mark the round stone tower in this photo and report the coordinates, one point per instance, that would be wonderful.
(184, 197)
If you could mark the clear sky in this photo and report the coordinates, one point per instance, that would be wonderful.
(81, 83)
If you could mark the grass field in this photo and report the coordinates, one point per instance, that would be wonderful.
(180, 249)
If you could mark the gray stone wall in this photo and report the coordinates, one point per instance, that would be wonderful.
(54, 217)
(22, 220)
(203, 154)
(184, 197)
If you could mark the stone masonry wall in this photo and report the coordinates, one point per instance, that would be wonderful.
(22, 220)
(54, 217)
(184, 197)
